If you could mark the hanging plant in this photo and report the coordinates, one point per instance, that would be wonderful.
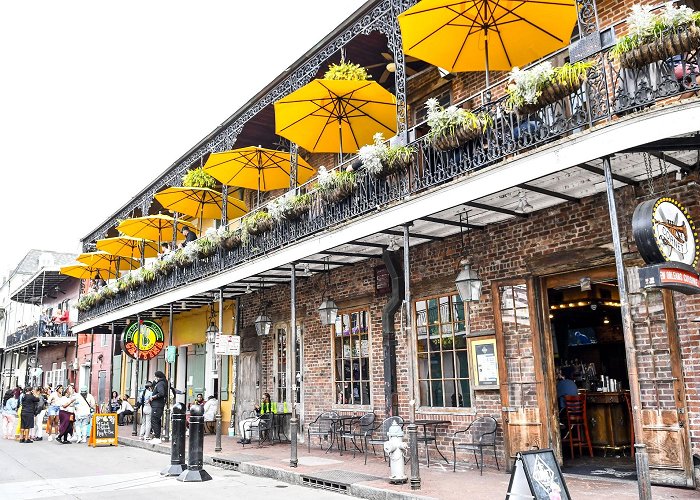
(86, 302)
(452, 126)
(257, 223)
(336, 185)
(148, 274)
(346, 71)
(197, 177)
(534, 88)
(289, 206)
(229, 238)
(381, 160)
(655, 37)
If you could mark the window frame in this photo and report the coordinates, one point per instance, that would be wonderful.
(334, 382)
(454, 297)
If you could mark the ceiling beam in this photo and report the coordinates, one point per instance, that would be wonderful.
(323, 262)
(599, 171)
(350, 254)
(413, 235)
(668, 144)
(367, 244)
(547, 192)
(499, 210)
(670, 159)
(446, 222)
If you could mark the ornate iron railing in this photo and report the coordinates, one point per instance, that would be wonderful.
(609, 92)
(35, 331)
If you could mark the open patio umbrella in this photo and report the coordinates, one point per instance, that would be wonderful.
(84, 272)
(151, 227)
(480, 35)
(256, 168)
(127, 246)
(104, 260)
(332, 116)
(201, 203)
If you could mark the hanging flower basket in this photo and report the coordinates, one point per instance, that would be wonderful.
(336, 185)
(337, 193)
(258, 223)
(552, 92)
(232, 241)
(453, 140)
(296, 212)
(671, 43)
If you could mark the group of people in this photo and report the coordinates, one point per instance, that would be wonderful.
(68, 414)
(151, 401)
(54, 325)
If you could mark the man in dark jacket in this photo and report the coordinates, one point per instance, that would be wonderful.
(158, 400)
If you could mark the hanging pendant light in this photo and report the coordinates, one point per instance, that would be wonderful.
(263, 323)
(468, 281)
(328, 310)
(212, 330)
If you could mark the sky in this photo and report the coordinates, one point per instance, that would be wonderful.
(98, 98)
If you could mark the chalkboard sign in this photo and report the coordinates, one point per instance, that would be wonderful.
(103, 431)
(536, 475)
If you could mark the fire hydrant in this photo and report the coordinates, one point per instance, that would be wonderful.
(395, 448)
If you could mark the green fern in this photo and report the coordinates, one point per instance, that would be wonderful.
(198, 178)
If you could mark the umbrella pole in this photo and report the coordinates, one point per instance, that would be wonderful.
(340, 132)
(488, 83)
(258, 202)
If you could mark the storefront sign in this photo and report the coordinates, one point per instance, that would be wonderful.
(536, 475)
(484, 363)
(664, 232)
(144, 340)
(382, 280)
(671, 275)
(227, 345)
(103, 430)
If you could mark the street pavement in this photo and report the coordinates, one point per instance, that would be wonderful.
(49, 470)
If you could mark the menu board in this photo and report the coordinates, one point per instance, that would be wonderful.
(103, 431)
(536, 474)
(484, 362)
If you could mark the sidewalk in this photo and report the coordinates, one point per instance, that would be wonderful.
(351, 476)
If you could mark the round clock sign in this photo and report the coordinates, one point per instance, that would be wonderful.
(664, 232)
(143, 341)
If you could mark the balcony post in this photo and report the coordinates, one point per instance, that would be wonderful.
(641, 456)
(410, 343)
(293, 165)
(168, 376)
(92, 351)
(135, 430)
(219, 360)
(111, 362)
(294, 421)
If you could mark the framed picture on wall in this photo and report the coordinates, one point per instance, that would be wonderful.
(484, 362)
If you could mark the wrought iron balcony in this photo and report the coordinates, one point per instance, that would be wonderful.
(609, 93)
(37, 331)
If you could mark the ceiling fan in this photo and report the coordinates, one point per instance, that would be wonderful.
(55, 291)
(390, 67)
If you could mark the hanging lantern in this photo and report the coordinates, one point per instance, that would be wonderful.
(211, 330)
(263, 325)
(468, 283)
(328, 311)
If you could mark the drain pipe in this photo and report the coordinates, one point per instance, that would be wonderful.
(392, 261)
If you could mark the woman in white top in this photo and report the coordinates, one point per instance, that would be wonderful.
(66, 415)
(82, 417)
(9, 414)
(145, 404)
(52, 411)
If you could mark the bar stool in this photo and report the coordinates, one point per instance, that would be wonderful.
(577, 421)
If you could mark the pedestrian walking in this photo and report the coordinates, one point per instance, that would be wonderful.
(157, 400)
(83, 411)
(9, 414)
(66, 415)
(30, 401)
(144, 403)
(37, 433)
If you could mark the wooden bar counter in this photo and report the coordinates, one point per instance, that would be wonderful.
(608, 420)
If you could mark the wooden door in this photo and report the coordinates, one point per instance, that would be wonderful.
(248, 380)
(662, 389)
(196, 356)
(521, 371)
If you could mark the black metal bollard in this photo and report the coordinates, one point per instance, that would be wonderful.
(177, 446)
(194, 471)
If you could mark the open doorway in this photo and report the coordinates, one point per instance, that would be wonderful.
(585, 324)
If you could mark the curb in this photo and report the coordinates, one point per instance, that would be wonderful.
(285, 476)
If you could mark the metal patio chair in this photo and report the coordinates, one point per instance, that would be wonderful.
(480, 434)
(322, 426)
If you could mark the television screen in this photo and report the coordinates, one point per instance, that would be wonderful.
(582, 336)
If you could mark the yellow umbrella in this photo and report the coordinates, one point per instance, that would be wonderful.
(126, 246)
(104, 260)
(256, 168)
(151, 227)
(480, 35)
(332, 116)
(84, 272)
(202, 203)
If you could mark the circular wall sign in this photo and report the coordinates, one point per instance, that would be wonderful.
(664, 232)
(143, 341)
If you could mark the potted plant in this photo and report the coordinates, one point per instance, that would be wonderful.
(289, 206)
(346, 71)
(165, 264)
(381, 160)
(452, 126)
(336, 185)
(534, 88)
(86, 302)
(229, 238)
(108, 292)
(257, 223)
(654, 37)
(197, 177)
(148, 274)
(184, 257)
